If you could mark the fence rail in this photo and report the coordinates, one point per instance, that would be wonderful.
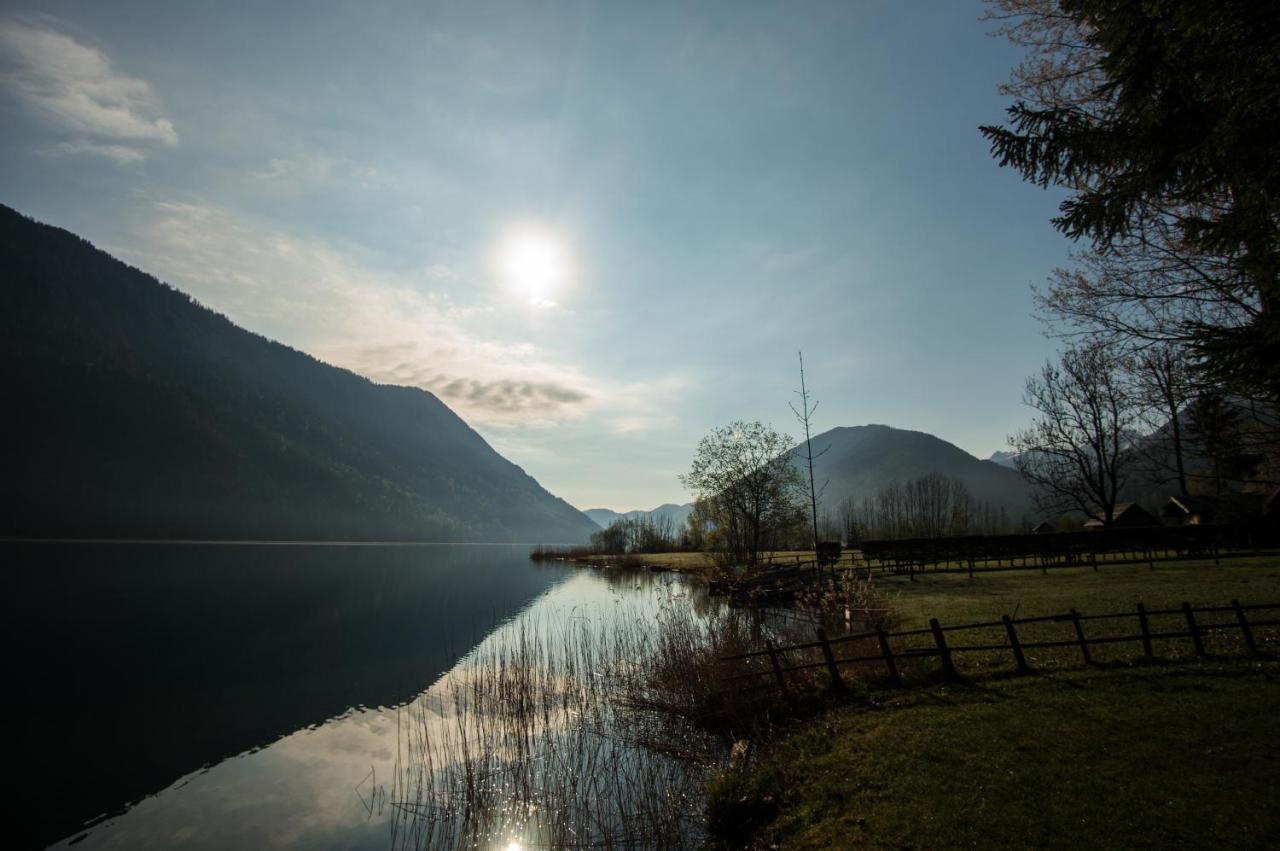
(1057, 548)
(1012, 642)
(782, 576)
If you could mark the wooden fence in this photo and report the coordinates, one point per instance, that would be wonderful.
(1010, 642)
(1053, 548)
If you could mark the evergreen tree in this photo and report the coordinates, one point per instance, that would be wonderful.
(1163, 118)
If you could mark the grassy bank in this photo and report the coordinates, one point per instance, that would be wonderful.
(685, 562)
(691, 562)
(952, 597)
(702, 563)
(1180, 753)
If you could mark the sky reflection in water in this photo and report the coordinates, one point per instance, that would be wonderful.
(334, 785)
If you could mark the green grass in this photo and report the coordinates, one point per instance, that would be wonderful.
(952, 597)
(1179, 753)
(690, 562)
(1136, 757)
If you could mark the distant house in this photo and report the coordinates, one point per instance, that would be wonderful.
(1044, 526)
(1224, 509)
(1127, 515)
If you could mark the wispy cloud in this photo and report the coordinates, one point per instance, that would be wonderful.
(311, 171)
(389, 327)
(77, 91)
(116, 153)
(504, 396)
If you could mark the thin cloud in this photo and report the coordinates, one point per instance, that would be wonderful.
(379, 324)
(509, 397)
(310, 172)
(121, 154)
(75, 89)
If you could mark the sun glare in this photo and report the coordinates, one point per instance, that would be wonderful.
(533, 265)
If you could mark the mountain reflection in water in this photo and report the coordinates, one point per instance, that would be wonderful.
(142, 663)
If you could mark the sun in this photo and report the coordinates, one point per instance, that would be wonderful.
(533, 263)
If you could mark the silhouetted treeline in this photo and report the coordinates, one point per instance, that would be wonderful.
(650, 533)
(930, 506)
(133, 411)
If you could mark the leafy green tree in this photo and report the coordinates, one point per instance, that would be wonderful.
(747, 485)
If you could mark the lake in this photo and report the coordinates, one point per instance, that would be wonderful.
(215, 696)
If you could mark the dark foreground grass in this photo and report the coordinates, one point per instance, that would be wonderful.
(1179, 753)
(1168, 757)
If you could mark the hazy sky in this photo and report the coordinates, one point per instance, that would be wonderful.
(594, 230)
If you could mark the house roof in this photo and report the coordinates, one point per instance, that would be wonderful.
(1126, 511)
(1226, 505)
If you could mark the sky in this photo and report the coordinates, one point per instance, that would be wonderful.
(595, 230)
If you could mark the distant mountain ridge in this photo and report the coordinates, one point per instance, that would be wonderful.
(135, 412)
(1003, 458)
(678, 514)
(860, 460)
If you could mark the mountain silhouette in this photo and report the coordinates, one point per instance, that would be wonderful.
(857, 461)
(133, 411)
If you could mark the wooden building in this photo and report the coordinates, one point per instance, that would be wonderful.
(1204, 510)
(1126, 516)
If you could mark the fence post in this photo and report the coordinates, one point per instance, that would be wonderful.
(1084, 645)
(1191, 626)
(1145, 628)
(887, 652)
(948, 669)
(830, 658)
(1023, 668)
(1245, 629)
(1093, 557)
(777, 669)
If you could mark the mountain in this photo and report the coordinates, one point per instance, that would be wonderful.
(1004, 459)
(602, 517)
(859, 460)
(133, 411)
(678, 514)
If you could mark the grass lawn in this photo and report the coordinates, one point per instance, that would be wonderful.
(1182, 753)
(686, 562)
(952, 597)
(692, 562)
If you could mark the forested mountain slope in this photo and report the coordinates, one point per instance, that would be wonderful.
(860, 460)
(132, 411)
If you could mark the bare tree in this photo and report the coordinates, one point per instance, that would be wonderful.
(1077, 453)
(1163, 386)
(744, 475)
(1151, 119)
(803, 415)
(928, 506)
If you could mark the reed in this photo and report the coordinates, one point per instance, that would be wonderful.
(585, 728)
(532, 743)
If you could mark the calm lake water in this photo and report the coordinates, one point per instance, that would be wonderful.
(255, 696)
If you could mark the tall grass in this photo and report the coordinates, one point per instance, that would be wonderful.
(533, 741)
(584, 729)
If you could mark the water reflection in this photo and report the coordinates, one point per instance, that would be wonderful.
(539, 737)
(223, 652)
(136, 665)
